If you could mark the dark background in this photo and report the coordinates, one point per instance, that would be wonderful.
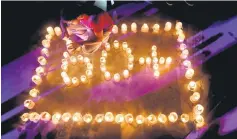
(22, 23)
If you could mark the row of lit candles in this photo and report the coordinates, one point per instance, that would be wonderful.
(110, 117)
(155, 28)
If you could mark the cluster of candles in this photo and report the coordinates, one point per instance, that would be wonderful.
(110, 117)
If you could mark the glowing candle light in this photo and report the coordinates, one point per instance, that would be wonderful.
(173, 117)
(109, 117)
(64, 67)
(179, 32)
(148, 60)
(128, 118)
(83, 79)
(66, 117)
(145, 28)
(125, 45)
(50, 30)
(58, 31)
(107, 46)
(86, 60)
(181, 37)
(80, 58)
(153, 48)
(182, 46)
(67, 80)
(189, 73)
(116, 77)
(104, 53)
(45, 116)
(34, 117)
(153, 53)
(36, 79)
(48, 37)
(124, 28)
(66, 55)
(89, 66)
(73, 60)
(130, 66)
(119, 118)
(184, 54)
(45, 52)
(155, 67)
(42, 61)
(162, 118)
(107, 75)
(134, 27)
(116, 44)
(89, 73)
(155, 60)
(199, 120)
(39, 70)
(125, 74)
(156, 28)
(25, 117)
(168, 26)
(162, 60)
(102, 67)
(151, 119)
(115, 29)
(46, 43)
(130, 58)
(99, 118)
(192, 86)
(102, 60)
(34, 92)
(56, 118)
(129, 51)
(140, 119)
(178, 26)
(184, 118)
(156, 74)
(141, 60)
(168, 61)
(187, 63)
(195, 97)
(75, 81)
(198, 109)
(29, 104)
(77, 117)
(64, 74)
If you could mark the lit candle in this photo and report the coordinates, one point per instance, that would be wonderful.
(130, 66)
(198, 109)
(75, 81)
(50, 30)
(192, 86)
(34, 117)
(115, 29)
(45, 52)
(182, 46)
(199, 120)
(58, 31)
(107, 46)
(107, 75)
(56, 118)
(168, 60)
(195, 97)
(162, 118)
(129, 51)
(173, 117)
(64, 67)
(153, 53)
(187, 63)
(25, 117)
(151, 119)
(119, 118)
(128, 118)
(125, 74)
(83, 79)
(77, 117)
(140, 119)
(155, 67)
(64, 74)
(116, 44)
(73, 60)
(156, 74)
(145, 28)
(86, 60)
(36, 79)
(102, 67)
(109, 117)
(168, 26)
(42, 61)
(181, 37)
(48, 37)
(124, 28)
(66, 117)
(153, 48)
(130, 58)
(67, 80)
(125, 45)
(102, 60)
(80, 58)
(116, 77)
(141, 60)
(46, 43)
(89, 66)
(184, 118)
(29, 104)
(178, 26)
(162, 60)
(99, 118)
(89, 73)
(104, 53)
(184, 54)
(156, 28)
(134, 27)
(39, 70)
(34, 92)
(154, 60)
(87, 118)
(45, 116)
(148, 60)
(66, 55)
(189, 73)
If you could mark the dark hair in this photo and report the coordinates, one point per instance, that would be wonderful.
(72, 11)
